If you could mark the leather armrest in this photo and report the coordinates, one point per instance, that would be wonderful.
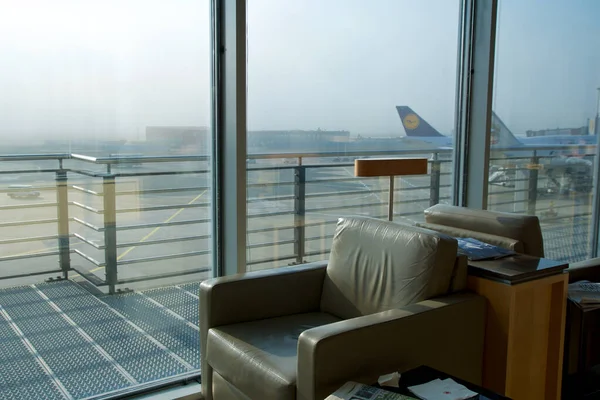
(585, 270)
(500, 241)
(256, 295)
(524, 228)
(446, 333)
(261, 294)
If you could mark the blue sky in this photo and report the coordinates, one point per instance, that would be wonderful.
(109, 68)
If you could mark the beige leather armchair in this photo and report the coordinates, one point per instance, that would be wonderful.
(521, 233)
(385, 301)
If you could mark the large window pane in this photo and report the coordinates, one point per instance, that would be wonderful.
(105, 207)
(545, 99)
(332, 81)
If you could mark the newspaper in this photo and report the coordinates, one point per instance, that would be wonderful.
(358, 391)
(476, 250)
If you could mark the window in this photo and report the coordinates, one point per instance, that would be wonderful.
(333, 81)
(105, 194)
(545, 101)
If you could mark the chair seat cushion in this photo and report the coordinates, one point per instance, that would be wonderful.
(260, 357)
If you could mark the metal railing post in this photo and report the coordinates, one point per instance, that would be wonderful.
(299, 212)
(62, 209)
(434, 188)
(533, 184)
(110, 231)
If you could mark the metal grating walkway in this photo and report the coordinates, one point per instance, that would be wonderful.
(59, 341)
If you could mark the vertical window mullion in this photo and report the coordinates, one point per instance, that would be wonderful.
(474, 108)
(230, 136)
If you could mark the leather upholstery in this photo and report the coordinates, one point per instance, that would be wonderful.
(523, 228)
(500, 241)
(265, 353)
(459, 274)
(254, 296)
(446, 333)
(265, 336)
(224, 390)
(378, 265)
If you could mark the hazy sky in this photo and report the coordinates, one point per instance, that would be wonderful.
(102, 68)
(109, 68)
(547, 63)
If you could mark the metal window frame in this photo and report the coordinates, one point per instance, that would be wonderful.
(477, 37)
(475, 74)
(595, 223)
(229, 149)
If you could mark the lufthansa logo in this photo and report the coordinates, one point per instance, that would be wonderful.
(411, 121)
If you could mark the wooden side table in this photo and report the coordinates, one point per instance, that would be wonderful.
(525, 324)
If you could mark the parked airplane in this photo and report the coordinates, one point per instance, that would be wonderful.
(416, 127)
(555, 163)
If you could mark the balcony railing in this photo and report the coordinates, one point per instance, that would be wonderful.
(293, 203)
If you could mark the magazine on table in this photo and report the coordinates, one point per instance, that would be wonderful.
(358, 391)
(476, 250)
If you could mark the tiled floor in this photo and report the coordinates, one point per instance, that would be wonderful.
(59, 341)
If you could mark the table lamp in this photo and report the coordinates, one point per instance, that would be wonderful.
(371, 167)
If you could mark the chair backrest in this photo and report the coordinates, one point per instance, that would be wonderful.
(378, 265)
(522, 231)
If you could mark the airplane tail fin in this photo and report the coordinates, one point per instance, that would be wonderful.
(414, 125)
(501, 136)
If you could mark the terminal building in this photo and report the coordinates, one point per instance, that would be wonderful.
(583, 130)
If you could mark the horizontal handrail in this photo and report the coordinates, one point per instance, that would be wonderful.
(437, 158)
(25, 206)
(164, 275)
(90, 259)
(34, 157)
(163, 207)
(29, 171)
(140, 243)
(269, 260)
(162, 224)
(267, 244)
(88, 191)
(31, 222)
(165, 257)
(26, 256)
(28, 239)
(169, 190)
(138, 159)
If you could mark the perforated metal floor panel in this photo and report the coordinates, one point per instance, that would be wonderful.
(58, 341)
(179, 335)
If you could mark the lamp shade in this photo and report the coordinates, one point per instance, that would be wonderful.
(390, 166)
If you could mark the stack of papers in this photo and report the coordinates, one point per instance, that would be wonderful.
(439, 389)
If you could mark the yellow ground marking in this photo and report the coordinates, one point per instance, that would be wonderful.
(148, 236)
